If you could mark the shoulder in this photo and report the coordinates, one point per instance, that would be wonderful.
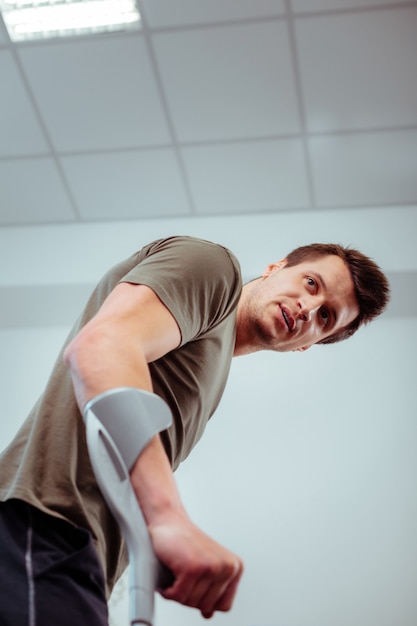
(198, 281)
(188, 248)
(189, 257)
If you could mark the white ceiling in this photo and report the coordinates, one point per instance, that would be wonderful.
(224, 107)
(214, 110)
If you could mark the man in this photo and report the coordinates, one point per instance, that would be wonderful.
(168, 320)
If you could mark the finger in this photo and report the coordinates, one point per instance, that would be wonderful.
(200, 590)
(178, 591)
(211, 596)
(197, 587)
(226, 599)
(187, 588)
(220, 596)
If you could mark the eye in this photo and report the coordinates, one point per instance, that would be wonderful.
(325, 316)
(311, 282)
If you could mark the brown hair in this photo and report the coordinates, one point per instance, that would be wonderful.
(371, 286)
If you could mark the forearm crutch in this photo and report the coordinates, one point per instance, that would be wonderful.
(119, 424)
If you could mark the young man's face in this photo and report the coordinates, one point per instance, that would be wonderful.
(295, 307)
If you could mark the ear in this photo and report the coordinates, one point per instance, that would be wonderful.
(272, 267)
(303, 349)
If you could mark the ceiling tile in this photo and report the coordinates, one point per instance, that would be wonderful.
(250, 176)
(229, 82)
(359, 70)
(127, 184)
(20, 132)
(162, 13)
(334, 5)
(96, 94)
(365, 168)
(32, 192)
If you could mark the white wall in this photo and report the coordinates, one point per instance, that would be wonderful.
(81, 252)
(308, 470)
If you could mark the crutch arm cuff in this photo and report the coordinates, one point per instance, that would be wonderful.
(132, 416)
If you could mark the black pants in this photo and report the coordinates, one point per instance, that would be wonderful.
(50, 574)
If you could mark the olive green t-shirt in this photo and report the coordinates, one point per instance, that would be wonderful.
(47, 462)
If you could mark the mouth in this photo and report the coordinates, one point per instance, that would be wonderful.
(289, 321)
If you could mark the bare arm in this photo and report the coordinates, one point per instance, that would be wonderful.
(131, 329)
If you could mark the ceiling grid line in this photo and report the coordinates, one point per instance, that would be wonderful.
(160, 87)
(3, 30)
(300, 101)
(319, 13)
(53, 155)
(218, 142)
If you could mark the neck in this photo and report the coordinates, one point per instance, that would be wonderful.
(244, 341)
(242, 350)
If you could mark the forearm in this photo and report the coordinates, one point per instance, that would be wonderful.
(155, 486)
(206, 574)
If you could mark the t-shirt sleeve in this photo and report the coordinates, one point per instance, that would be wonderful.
(197, 280)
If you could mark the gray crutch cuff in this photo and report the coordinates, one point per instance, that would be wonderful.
(132, 417)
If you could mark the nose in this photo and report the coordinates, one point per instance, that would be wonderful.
(307, 309)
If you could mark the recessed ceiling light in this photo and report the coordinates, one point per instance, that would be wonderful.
(43, 19)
